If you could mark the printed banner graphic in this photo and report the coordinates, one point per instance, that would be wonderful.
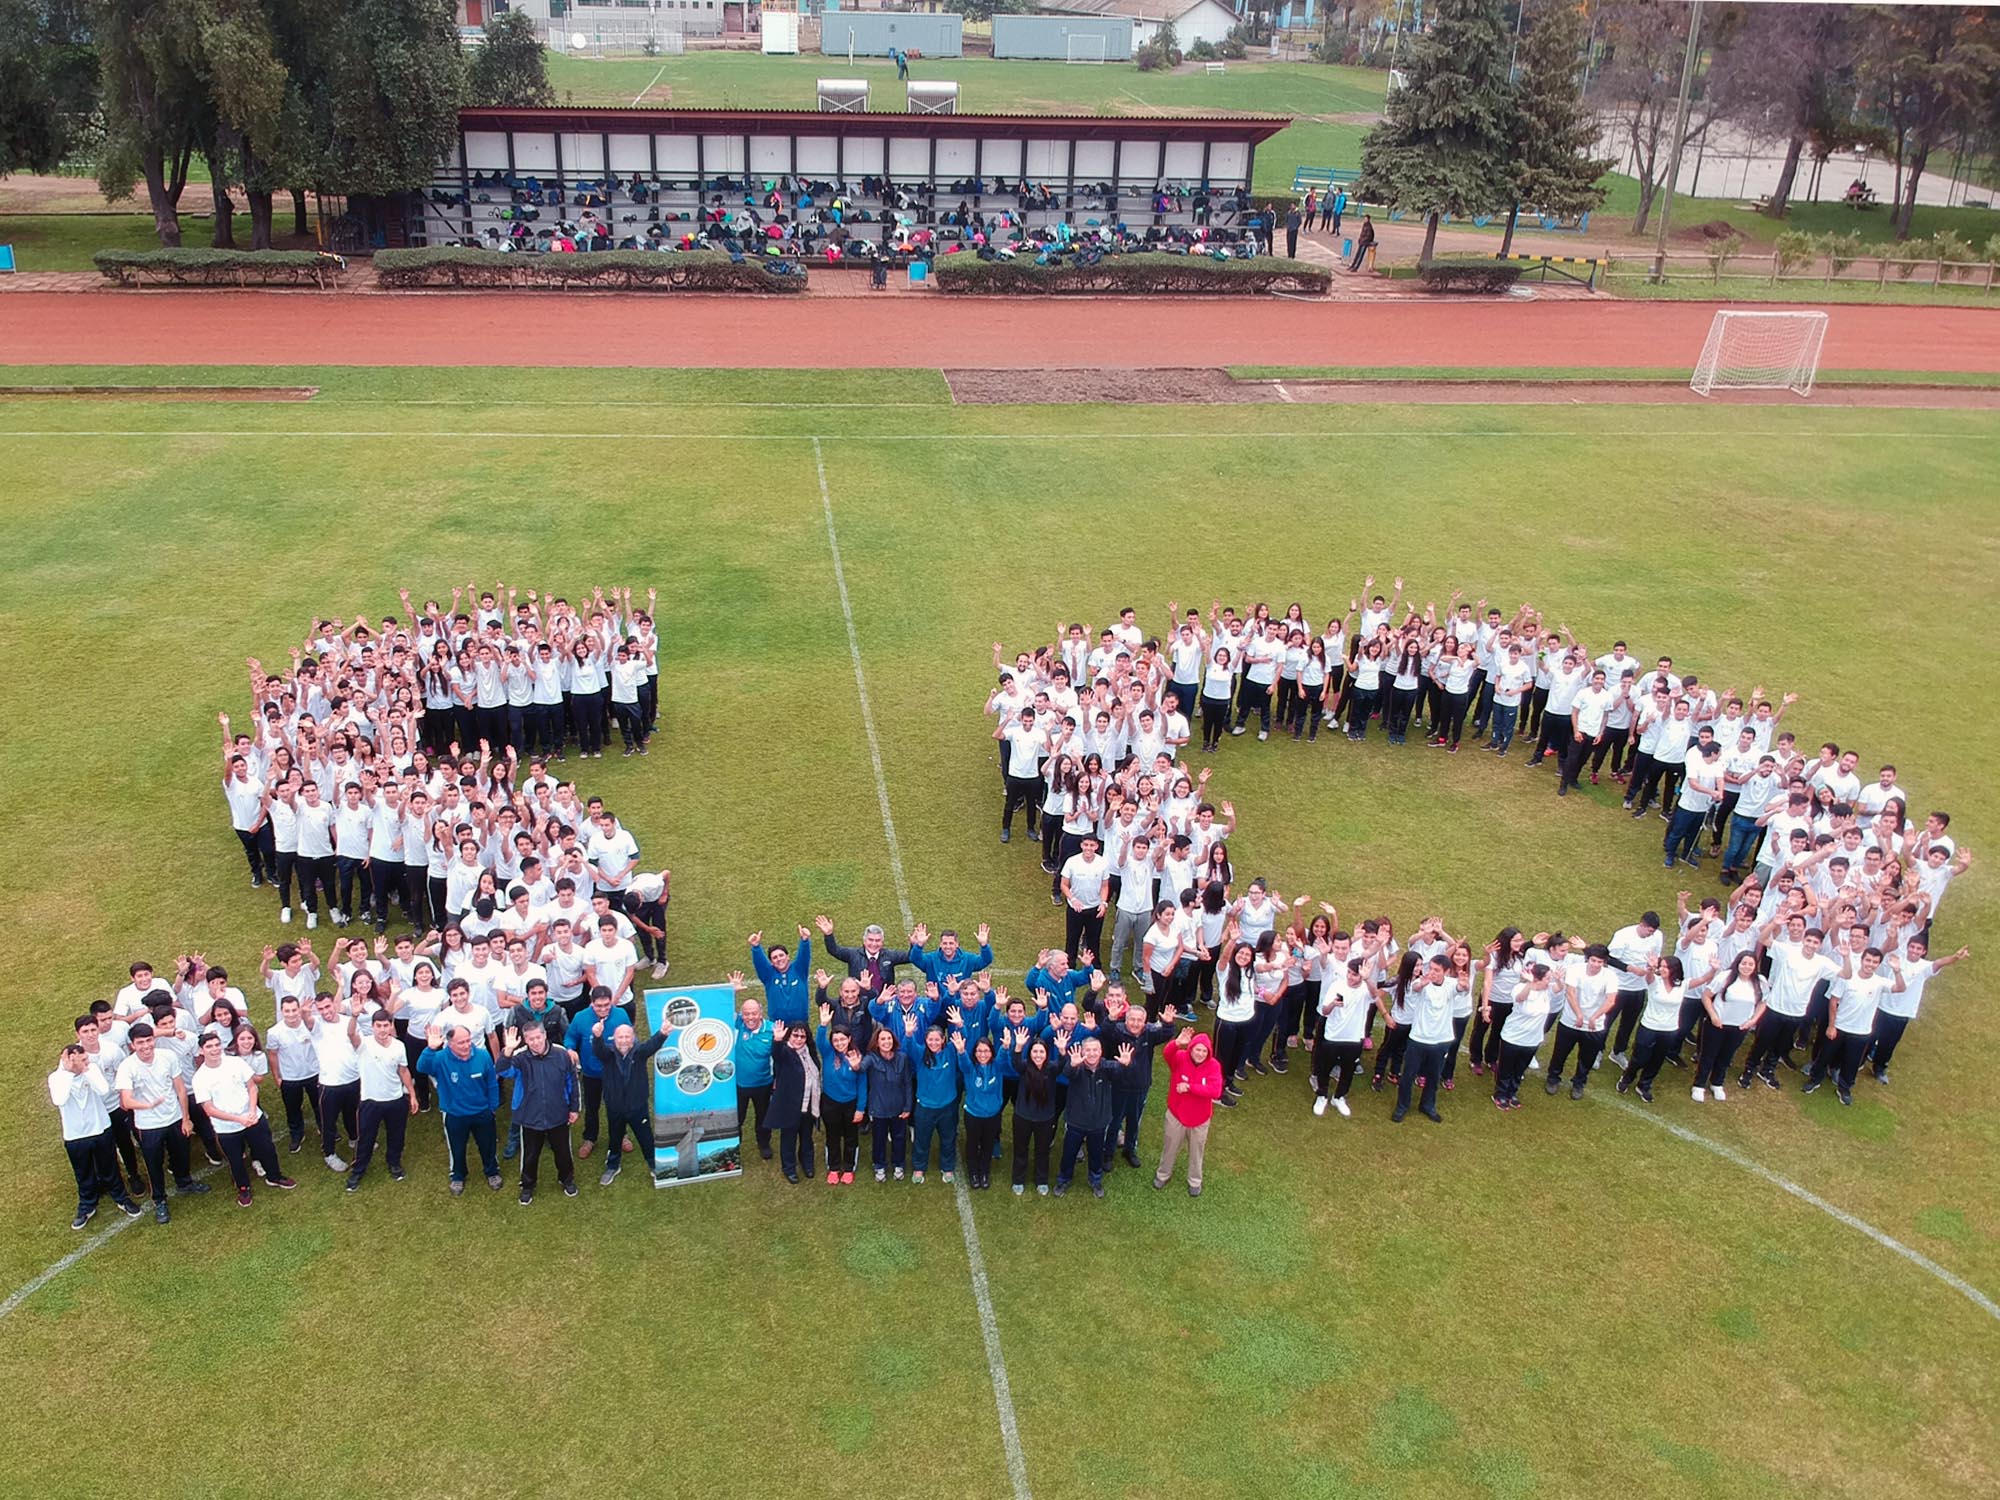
(695, 1134)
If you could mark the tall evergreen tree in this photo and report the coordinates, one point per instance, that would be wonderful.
(1446, 146)
(510, 67)
(1554, 171)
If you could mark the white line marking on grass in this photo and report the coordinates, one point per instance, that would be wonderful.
(640, 96)
(1729, 1154)
(1284, 395)
(96, 1242)
(989, 1325)
(1703, 434)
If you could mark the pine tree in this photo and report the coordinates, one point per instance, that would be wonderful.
(1446, 146)
(1554, 171)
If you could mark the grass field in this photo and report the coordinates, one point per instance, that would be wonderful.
(1565, 1301)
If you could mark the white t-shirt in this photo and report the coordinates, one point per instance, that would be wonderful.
(1737, 1003)
(612, 964)
(1635, 950)
(1345, 1008)
(1087, 878)
(1024, 748)
(607, 855)
(1905, 1004)
(1510, 681)
(1794, 976)
(1858, 999)
(227, 1086)
(245, 798)
(338, 1063)
(1589, 710)
(298, 1056)
(152, 1080)
(1592, 990)
(381, 1066)
(1663, 1006)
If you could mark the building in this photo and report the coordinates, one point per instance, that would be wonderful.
(617, 23)
(679, 156)
(1061, 38)
(874, 33)
(1193, 20)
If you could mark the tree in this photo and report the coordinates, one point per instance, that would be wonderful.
(383, 95)
(48, 82)
(1795, 82)
(985, 10)
(156, 110)
(510, 68)
(1638, 82)
(1933, 72)
(1554, 171)
(1446, 145)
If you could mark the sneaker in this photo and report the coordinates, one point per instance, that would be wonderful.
(287, 1183)
(130, 1208)
(312, 920)
(457, 1188)
(1621, 1059)
(527, 1197)
(1623, 1084)
(1006, 836)
(1229, 1099)
(1237, 730)
(285, 915)
(832, 1179)
(1399, 1112)
(882, 1176)
(1262, 734)
(1062, 1186)
(585, 1149)
(295, 1145)
(1576, 1088)
(160, 1214)
(1811, 1085)
(947, 1177)
(899, 1174)
(397, 1174)
(1041, 1190)
(606, 1178)
(1770, 1081)
(1194, 1192)
(660, 969)
(1700, 1095)
(847, 1179)
(1846, 1097)
(1019, 1189)
(1881, 1076)
(1341, 1105)
(353, 1183)
(81, 1219)
(1720, 1096)
(1646, 1092)
(569, 1188)
(1433, 1116)
(1097, 1188)
(334, 1163)
(916, 1177)
(1534, 1065)
(1319, 1105)
(1278, 1065)
(257, 1167)
(190, 1189)
(1552, 1085)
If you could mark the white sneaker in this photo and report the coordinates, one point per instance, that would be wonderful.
(1597, 1062)
(1700, 1095)
(1319, 1105)
(1263, 734)
(1341, 1105)
(257, 1167)
(312, 919)
(659, 971)
(1534, 1065)
(1621, 1060)
(899, 1174)
(1720, 1095)
(285, 915)
(334, 1163)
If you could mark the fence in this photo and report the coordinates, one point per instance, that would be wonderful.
(1773, 268)
(651, 39)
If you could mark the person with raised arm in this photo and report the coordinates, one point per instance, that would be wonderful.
(625, 1062)
(785, 977)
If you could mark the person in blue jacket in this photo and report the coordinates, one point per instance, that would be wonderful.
(1053, 976)
(971, 1007)
(753, 1068)
(589, 1069)
(950, 961)
(787, 993)
(979, 1069)
(844, 1095)
(907, 1013)
(468, 1092)
(937, 1107)
(889, 1099)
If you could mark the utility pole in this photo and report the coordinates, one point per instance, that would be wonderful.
(1680, 134)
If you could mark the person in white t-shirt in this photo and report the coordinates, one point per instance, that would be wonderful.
(1024, 745)
(1589, 712)
(244, 792)
(1085, 880)
(83, 1098)
(387, 1097)
(1588, 996)
(1912, 969)
(152, 1086)
(1851, 1029)
(609, 960)
(225, 1085)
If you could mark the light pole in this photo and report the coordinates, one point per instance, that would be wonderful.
(1680, 135)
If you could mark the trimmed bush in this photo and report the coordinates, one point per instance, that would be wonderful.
(457, 267)
(1454, 275)
(190, 267)
(1145, 273)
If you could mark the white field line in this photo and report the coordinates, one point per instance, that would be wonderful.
(989, 1326)
(1284, 395)
(97, 1241)
(1729, 1154)
(1698, 434)
(639, 97)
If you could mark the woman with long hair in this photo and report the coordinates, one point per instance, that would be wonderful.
(1396, 1022)
(1503, 976)
(1407, 672)
(1235, 1015)
(1453, 696)
(1060, 775)
(1304, 951)
(1213, 928)
(1314, 681)
(1732, 1008)
(1037, 1069)
(890, 1083)
(1218, 686)
(979, 1067)
(1521, 1030)
(1364, 690)
(1461, 971)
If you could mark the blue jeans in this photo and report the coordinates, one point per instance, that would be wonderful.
(479, 1128)
(943, 1123)
(1684, 834)
(1505, 717)
(1742, 839)
(1093, 1143)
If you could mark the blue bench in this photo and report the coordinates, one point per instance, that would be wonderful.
(1319, 177)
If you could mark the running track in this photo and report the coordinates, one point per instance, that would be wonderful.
(922, 331)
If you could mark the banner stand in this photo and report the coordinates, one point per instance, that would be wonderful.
(695, 1134)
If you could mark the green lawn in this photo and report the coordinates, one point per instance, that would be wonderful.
(1558, 1302)
(65, 242)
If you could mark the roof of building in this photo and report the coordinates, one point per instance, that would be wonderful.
(618, 121)
(1137, 10)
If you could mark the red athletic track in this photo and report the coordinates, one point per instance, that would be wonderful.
(922, 331)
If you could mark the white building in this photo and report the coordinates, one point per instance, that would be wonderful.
(1193, 20)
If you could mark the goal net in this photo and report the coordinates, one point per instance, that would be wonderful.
(1085, 49)
(1760, 351)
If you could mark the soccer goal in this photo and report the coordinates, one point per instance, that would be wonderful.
(1085, 49)
(1760, 351)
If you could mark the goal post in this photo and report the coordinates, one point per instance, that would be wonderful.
(1085, 48)
(1760, 351)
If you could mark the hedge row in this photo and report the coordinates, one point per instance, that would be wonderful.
(190, 267)
(612, 270)
(1469, 275)
(1149, 272)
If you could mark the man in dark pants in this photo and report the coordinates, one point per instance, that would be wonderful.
(602, 1016)
(150, 1086)
(627, 1083)
(1292, 222)
(544, 1103)
(1093, 1084)
(388, 1098)
(468, 1092)
(82, 1094)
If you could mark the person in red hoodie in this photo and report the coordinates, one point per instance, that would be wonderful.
(1194, 1083)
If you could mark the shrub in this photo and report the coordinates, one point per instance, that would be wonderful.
(1906, 256)
(1722, 250)
(1456, 275)
(1233, 49)
(1795, 250)
(192, 267)
(1203, 51)
(1840, 250)
(451, 266)
(1145, 273)
(1956, 253)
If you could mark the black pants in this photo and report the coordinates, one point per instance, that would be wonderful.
(1888, 1034)
(126, 1140)
(1773, 1039)
(95, 1163)
(1389, 1056)
(1458, 1025)
(1531, 709)
(1624, 1018)
(261, 850)
(843, 1136)
(761, 1097)
(1025, 793)
(1297, 1000)
(795, 1146)
(1088, 1142)
(1485, 1044)
(1574, 752)
(1649, 1054)
(1586, 1045)
(1232, 1046)
(1254, 697)
(1041, 1135)
(1361, 703)
(1052, 845)
(252, 1143)
(631, 726)
(556, 1138)
(1718, 1046)
(891, 1139)
(385, 884)
(165, 1150)
(1554, 732)
(317, 875)
(649, 705)
(1510, 1067)
(1423, 1060)
(640, 1127)
(1214, 721)
(391, 1116)
(1841, 1056)
(1612, 744)
(352, 879)
(1082, 929)
(593, 1099)
(339, 1106)
(982, 1140)
(479, 1129)
(1334, 1062)
(1402, 702)
(1307, 717)
(653, 914)
(1451, 723)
